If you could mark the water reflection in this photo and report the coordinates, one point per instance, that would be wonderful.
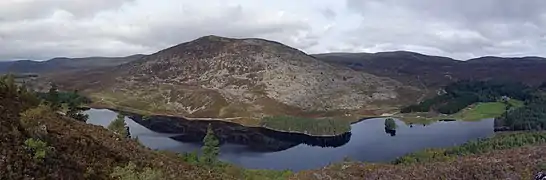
(260, 148)
(391, 132)
(253, 138)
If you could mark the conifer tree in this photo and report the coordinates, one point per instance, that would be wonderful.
(118, 126)
(211, 148)
(53, 98)
(390, 124)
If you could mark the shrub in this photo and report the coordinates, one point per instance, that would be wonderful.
(39, 148)
(191, 158)
(32, 121)
(129, 172)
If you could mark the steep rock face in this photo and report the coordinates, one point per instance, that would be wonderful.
(222, 77)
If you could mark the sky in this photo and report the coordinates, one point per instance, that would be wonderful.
(461, 29)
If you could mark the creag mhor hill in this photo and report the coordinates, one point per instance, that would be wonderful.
(220, 77)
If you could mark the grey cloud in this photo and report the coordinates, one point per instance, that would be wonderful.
(328, 13)
(457, 28)
(233, 22)
(37, 9)
(120, 36)
(43, 29)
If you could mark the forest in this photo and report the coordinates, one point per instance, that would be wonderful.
(530, 117)
(461, 94)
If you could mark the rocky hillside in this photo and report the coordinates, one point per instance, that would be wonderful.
(223, 77)
(431, 72)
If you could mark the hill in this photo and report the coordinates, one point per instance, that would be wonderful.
(62, 64)
(432, 72)
(222, 77)
(38, 143)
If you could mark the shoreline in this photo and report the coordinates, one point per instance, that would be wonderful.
(227, 120)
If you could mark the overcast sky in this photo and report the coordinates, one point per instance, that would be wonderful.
(43, 29)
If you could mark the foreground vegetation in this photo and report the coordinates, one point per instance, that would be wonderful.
(506, 156)
(498, 142)
(306, 125)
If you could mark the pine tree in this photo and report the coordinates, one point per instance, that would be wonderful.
(211, 148)
(53, 98)
(74, 110)
(118, 126)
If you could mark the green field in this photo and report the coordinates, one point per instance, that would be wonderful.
(474, 112)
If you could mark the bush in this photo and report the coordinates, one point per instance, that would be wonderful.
(191, 158)
(39, 148)
(32, 120)
(129, 172)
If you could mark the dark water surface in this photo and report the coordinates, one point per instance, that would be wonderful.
(259, 148)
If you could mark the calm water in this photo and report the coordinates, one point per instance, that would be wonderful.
(263, 149)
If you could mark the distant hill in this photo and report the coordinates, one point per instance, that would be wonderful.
(63, 64)
(223, 77)
(430, 72)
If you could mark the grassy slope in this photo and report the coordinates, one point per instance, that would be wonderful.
(474, 112)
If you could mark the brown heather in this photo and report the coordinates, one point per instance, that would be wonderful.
(78, 150)
(511, 164)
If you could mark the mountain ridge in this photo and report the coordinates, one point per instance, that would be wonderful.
(435, 71)
(63, 64)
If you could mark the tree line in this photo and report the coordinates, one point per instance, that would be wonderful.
(461, 94)
(530, 117)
